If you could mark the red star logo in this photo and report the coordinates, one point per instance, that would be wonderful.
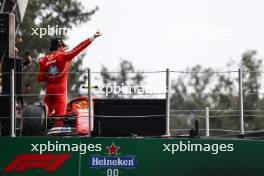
(112, 150)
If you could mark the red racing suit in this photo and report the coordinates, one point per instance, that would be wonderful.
(53, 69)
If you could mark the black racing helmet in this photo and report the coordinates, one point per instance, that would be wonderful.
(56, 43)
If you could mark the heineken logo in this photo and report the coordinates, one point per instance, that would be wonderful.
(127, 162)
(112, 159)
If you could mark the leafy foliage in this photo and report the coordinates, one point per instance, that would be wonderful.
(126, 75)
(200, 87)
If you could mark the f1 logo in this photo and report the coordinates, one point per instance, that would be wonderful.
(48, 162)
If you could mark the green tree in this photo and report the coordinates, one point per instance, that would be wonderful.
(191, 92)
(191, 88)
(251, 84)
(251, 78)
(229, 99)
(126, 75)
(200, 87)
(39, 13)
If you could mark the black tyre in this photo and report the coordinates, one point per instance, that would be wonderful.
(33, 121)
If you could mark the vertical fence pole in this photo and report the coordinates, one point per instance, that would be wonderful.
(3, 6)
(241, 104)
(207, 122)
(90, 99)
(12, 102)
(168, 102)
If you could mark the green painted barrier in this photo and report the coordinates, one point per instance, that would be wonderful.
(73, 156)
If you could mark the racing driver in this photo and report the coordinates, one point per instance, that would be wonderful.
(53, 69)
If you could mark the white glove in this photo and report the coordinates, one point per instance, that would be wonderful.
(97, 34)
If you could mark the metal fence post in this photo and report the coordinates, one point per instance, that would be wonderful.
(90, 99)
(12, 102)
(168, 102)
(3, 6)
(241, 104)
(207, 122)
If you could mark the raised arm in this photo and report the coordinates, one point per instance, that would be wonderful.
(76, 50)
